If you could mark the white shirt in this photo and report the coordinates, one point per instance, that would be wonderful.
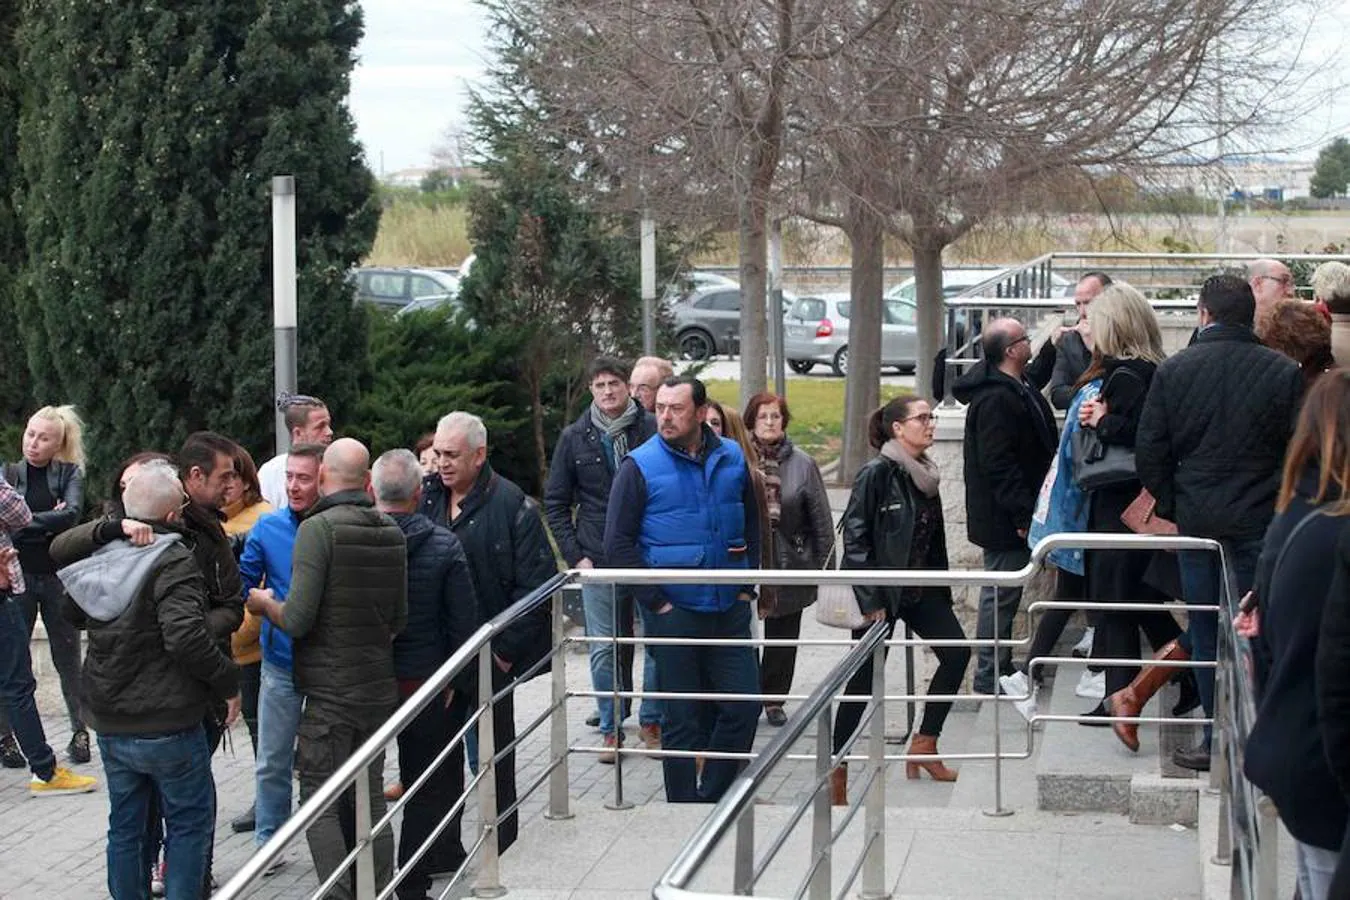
(272, 479)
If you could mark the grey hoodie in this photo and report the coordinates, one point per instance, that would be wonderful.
(104, 583)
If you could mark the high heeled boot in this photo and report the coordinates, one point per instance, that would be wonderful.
(839, 785)
(927, 745)
(1131, 699)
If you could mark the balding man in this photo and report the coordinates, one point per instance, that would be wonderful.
(1271, 282)
(348, 600)
(1010, 439)
(647, 375)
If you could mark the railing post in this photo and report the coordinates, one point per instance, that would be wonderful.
(365, 857)
(874, 813)
(488, 883)
(559, 801)
(998, 809)
(616, 702)
(742, 879)
(821, 819)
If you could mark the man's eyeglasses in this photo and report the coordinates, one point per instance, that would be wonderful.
(1286, 280)
(1015, 342)
(187, 499)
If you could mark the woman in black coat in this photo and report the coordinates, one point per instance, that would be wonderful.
(894, 521)
(1285, 754)
(1127, 352)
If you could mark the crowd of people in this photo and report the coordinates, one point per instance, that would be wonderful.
(312, 595)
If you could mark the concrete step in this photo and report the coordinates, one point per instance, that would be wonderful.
(938, 852)
(1088, 770)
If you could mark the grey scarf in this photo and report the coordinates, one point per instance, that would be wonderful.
(616, 429)
(922, 470)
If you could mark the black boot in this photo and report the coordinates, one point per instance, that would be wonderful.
(1194, 758)
(244, 821)
(1189, 698)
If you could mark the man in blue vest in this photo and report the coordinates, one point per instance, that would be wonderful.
(687, 502)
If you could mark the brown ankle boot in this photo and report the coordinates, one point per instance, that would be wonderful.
(926, 745)
(1131, 699)
(839, 785)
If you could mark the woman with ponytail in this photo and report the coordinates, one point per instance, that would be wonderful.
(894, 521)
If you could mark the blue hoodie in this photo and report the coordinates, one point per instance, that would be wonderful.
(266, 561)
(1062, 507)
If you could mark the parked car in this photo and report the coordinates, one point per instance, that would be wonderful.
(691, 281)
(708, 322)
(816, 331)
(395, 288)
(954, 281)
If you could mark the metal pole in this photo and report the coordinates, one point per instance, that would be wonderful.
(365, 857)
(776, 342)
(998, 809)
(616, 707)
(559, 802)
(489, 880)
(283, 297)
(648, 262)
(874, 812)
(821, 811)
(742, 880)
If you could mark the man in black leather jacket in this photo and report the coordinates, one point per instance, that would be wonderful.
(1210, 444)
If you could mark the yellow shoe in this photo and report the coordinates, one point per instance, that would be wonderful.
(63, 781)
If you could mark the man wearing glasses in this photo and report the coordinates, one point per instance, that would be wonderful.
(647, 375)
(1271, 282)
(1010, 439)
(1075, 345)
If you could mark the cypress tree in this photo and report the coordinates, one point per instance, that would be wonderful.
(14, 386)
(147, 149)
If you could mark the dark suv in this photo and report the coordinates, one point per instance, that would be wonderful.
(708, 322)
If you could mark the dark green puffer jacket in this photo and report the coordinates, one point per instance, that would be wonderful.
(348, 598)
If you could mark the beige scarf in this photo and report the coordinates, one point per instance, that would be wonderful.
(922, 470)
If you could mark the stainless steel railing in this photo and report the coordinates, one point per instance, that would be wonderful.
(1248, 840)
(360, 861)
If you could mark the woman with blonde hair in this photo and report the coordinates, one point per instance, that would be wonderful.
(51, 479)
(1128, 351)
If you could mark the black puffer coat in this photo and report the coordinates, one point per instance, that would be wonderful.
(878, 526)
(509, 556)
(1213, 433)
(579, 480)
(155, 668)
(442, 607)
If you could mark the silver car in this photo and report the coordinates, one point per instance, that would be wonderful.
(816, 330)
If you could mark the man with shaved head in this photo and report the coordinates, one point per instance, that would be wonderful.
(348, 600)
(1271, 282)
(1010, 439)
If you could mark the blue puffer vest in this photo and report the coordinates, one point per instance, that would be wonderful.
(695, 518)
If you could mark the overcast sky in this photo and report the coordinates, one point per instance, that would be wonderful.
(419, 55)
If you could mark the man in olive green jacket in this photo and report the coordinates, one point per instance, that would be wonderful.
(348, 599)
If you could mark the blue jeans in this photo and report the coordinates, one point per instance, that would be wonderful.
(17, 687)
(175, 768)
(279, 708)
(730, 726)
(1200, 586)
(1316, 867)
(43, 596)
(599, 603)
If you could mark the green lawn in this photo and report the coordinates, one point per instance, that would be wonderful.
(817, 407)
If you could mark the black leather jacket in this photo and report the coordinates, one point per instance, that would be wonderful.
(878, 527)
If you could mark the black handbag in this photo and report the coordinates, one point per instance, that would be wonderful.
(1097, 465)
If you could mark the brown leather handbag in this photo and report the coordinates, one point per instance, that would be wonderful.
(1141, 516)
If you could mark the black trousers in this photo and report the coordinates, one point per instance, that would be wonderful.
(1051, 625)
(250, 682)
(503, 735)
(1118, 638)
(418, 746)
(777, 664)
(932, 619)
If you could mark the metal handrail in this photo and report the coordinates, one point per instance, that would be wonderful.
(355, 767)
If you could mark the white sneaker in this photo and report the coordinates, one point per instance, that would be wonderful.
(1084, 645)
(1023, 695)
(1092, 685)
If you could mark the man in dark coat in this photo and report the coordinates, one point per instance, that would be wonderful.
(1074, 349)
(442, 617)
(575, 501)
(1010, 439)
(348, 600)
(509, 556)
(1210, 445)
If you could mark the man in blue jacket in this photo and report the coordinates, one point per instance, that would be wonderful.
(575, 501)
(266, 561)
(442, 617)
(687, 501)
